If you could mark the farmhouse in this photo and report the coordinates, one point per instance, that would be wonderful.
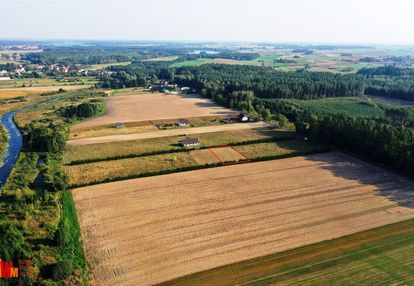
(183, 122)
(189, 142)
(185, 89)
(5, 78)
(243, 117)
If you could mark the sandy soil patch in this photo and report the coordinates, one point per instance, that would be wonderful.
(149, 230)
(165, 133)
(142, 106)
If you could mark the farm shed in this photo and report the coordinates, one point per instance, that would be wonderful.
(243, 117)
(183, 122)
(189, 142)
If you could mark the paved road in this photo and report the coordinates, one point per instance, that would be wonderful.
(165, 133)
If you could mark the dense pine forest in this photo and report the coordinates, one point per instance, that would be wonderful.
(389, 81)
(222, 80)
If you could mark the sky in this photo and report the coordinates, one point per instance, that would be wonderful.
(283, 21)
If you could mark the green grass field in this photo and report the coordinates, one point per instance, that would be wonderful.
(359, 107)
(72, 248)
(191, 63)
(34, 82)
(103, 66)
(381, 256)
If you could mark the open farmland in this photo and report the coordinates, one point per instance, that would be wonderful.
(36, 90)
(150, 230)
(115, 169)
(43, 82)
(143, 126)
(144, 106)
(382, 256)
(108, 150)
(165, 133)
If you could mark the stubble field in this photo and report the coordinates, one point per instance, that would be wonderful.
(145, 106)
(150, 230)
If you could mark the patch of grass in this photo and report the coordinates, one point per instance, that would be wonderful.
(3, 141)
(104, 66)
(71, 249)
(162, 59)
(191, 63)
(381, 256)
(46, 82)
(259, 150)
(358, 107)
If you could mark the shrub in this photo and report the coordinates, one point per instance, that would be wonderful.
(62, 270)
(12, 243)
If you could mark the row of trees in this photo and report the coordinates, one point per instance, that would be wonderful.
(377, 140)
(139, 74)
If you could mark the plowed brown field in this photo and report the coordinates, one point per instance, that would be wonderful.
(149, 230)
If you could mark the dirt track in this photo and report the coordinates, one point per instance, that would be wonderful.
(149, 230)
(145, 106)
(165, 133)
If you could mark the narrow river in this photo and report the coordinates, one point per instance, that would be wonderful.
(14, 145)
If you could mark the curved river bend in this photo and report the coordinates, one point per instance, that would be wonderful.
(14, 144)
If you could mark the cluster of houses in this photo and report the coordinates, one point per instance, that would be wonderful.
(5, 74)
(193, 142)
(169, 88)
(54, 70)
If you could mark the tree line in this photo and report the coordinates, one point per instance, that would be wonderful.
(377, 140)
(389, 81)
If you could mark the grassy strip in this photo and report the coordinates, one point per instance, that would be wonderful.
(176, 150)
(3, 140)
(199, 167)
(372, 246)
(23, 173)
(71, 249)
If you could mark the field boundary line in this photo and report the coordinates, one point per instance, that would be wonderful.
(215, 155)
(240, 153)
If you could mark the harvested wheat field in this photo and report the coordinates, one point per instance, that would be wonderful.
(145, 106)
(24, 91)
(150, 230)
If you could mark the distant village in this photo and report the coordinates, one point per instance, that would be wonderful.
(10, 71)
(13, 67)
